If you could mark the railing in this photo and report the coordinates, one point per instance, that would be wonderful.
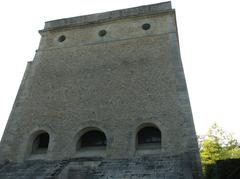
(233, 173)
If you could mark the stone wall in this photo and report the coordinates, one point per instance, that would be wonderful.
(115, 72)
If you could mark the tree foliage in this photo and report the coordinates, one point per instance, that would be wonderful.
(217, 145)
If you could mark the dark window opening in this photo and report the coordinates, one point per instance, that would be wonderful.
(149, 135)
(40, 143)
(146, 26)
(102, 33)
(93, 139)
(61, 38)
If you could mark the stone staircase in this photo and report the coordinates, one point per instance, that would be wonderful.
(97, 168)
(36, 169)
(141, 168)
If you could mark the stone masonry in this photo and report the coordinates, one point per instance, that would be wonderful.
(114, 74)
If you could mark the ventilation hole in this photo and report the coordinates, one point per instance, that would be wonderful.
(102, 33)
(146, 26)
(61, 38)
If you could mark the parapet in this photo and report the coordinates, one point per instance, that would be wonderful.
(108, 16)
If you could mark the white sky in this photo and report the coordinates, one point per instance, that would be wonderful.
(209, 32)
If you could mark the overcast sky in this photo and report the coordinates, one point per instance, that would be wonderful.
(209, 32)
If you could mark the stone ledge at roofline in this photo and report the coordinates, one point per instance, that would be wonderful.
(108, 16)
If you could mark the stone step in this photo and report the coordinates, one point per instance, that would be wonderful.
(143, 168)
(95, 168)
(32, 169)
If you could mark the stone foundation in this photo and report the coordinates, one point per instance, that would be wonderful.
(147, 167)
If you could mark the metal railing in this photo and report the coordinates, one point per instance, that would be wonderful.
(233, 173)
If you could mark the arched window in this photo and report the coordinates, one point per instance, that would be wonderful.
(40, 143)
(149, 135)
(93, 138)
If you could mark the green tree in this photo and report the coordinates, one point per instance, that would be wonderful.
(217, 145)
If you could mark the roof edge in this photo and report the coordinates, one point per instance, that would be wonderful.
(108, 16)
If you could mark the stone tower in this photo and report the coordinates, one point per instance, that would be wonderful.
(104, 97)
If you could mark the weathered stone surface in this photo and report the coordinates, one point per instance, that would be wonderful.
(117, 82)
(151, 166)
(32, 169)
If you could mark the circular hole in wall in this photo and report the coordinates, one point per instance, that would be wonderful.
(102, 33)
(146, 26)
(61, 38)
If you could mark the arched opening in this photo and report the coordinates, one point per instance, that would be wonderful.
(40, 143)
(149, 136)
(92, 139)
